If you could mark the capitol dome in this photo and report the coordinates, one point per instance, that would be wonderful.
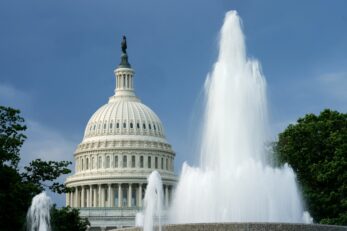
(123, 143)
(124, 117)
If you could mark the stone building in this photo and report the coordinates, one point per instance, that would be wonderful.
(123, 143)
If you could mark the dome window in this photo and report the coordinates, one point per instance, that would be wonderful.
(94, 127)
(149, 162)
(116, 161)
(156, 162)
(162, 163)
(107, 161)
(104, 126)
(144, 126)
(100, 162)
(138, 125)
(141, 161)
(111, 125)
(154, 127)
(87, 163)
(149, 126)
(133, 161)
(124, 161)
(131, 125)
(124, 125)
(117, 125)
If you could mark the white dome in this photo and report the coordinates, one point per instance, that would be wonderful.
(123, 116)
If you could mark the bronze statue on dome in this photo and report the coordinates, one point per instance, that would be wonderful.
(124, 45)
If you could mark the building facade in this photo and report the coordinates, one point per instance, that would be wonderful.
(123, 143)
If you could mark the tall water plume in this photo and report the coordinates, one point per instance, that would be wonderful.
(235, 182)
(38, 216)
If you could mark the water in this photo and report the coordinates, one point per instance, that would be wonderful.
(38, 216)
(234, 181)
(153, 204)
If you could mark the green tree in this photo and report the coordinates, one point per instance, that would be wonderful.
(316, 148)
(19, 187)
(67, 219)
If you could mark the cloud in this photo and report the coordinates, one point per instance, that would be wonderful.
(11, 96)
(334, 85)
(46, 143)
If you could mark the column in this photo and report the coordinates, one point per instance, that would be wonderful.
(90, 195)
(129, 196)
(99, 196)
(94, 194)
(140, 195)
(76, 197)
(67, 198)
(112, 196)
(87, 196)
(109, 196)
(120, 195)
(166, 195)
(82, 197)
(71, 200)
(102, 196)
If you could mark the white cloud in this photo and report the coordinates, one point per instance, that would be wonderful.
(334, 85)
(46, 143)
(11, 96)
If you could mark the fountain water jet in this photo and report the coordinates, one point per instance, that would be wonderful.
(235, 182)
(153, 203)
(38, 216)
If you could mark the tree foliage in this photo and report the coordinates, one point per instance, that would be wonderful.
(67, 219)
(316, 148)
(18, 187)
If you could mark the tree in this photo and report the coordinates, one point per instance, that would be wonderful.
(19, 187)
(67, 219)
(316, 148)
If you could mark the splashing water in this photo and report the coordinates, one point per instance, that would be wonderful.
(235, 182)
(153, 203)
(38, 216)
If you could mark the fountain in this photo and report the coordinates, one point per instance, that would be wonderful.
(235, 182)
(235, 187)
(153, 204)
(38, 216)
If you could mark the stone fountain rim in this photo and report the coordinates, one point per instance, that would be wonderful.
(245, 224)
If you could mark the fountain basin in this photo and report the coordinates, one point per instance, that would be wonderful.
(245, 227)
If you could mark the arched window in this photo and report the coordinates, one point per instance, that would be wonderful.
(138, 125)
(162, 163)
(92, 163)
(111, 125)
(141, 161)
(154, 127)
(82, 164)
(133, 161)
(117, 125)
(156, 162)
(124, 161)
(144, 126)
(107, 161)
(104, 126)
(124, 125)
(149, 126)
(131, 125)
(87, 163)
(116, 161)
(149, 162)
(167, 163)
(99, 162)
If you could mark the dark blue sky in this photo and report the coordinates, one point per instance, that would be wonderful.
(57, 60)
